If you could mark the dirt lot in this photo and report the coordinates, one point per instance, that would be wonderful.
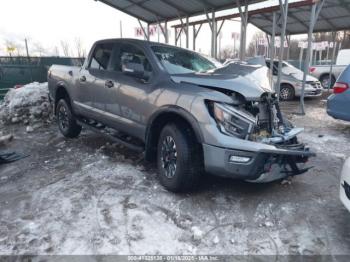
(86, 196)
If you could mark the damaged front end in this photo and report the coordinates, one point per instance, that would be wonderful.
(261, 121)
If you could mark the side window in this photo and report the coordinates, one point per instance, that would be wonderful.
(101, 56)
(132, 54)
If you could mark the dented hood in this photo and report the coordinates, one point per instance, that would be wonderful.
(249, 80)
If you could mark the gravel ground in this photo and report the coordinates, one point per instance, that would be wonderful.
(87, 196)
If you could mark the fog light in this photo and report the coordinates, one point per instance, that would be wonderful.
(239, 159)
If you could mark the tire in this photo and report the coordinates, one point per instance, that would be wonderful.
(325, 81)
(66, 121)
(179, 158)
(287, 93)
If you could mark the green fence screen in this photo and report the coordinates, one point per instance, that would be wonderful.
(24, 70)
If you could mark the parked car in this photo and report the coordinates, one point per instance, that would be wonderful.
(345, 184)
(292, 81)
(338, 104)
(182, 110)
(322, 72)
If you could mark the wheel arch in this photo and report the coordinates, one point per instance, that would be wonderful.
(169, 114)
(61, 92)
(326, 75)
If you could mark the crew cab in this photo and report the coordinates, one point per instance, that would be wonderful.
(185, 112)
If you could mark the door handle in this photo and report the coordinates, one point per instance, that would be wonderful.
(109, 84)
(82, 79)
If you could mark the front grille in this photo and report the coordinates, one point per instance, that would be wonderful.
(346, 187)
(314, 84)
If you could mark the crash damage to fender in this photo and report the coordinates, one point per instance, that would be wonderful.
(253, 116)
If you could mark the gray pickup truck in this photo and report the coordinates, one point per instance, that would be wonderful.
(182, 110)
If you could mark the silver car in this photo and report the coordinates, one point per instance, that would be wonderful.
(292, 81)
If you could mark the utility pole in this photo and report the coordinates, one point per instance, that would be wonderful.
(26, 43)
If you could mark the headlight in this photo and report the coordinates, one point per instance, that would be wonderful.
(233, 121)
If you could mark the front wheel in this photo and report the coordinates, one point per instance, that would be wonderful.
(66, 121)
(179, 158)
(287, 93)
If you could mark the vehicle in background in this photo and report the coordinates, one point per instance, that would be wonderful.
(345, 184)
(322, 72)
(180, 109)
(292, 82)
(338, 104)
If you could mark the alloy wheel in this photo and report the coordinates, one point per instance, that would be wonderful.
(63, 118)
(169, 156)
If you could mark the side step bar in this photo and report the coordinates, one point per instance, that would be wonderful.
(108, 135)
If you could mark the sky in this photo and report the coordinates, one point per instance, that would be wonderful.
(46, 23)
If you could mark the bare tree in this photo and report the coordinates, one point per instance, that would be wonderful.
(80, 51)
(39, 49)
(65, 48)
(254, 48)
(227, 53)
(14, 47)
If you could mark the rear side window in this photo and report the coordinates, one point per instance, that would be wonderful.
(101, 56)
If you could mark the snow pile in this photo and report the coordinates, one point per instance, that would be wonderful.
(27, 104)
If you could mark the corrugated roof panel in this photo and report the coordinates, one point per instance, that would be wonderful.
(191, 6)
(153, 11)
(140, 12)
(161, 7)
(334, 16)
(121, 3)
(334, 12)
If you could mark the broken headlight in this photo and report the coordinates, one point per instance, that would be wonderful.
(233, 121)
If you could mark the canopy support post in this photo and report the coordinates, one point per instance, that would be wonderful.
(244, 24)
(148, 36)
(164, 31)
(194, 38)
(187, 33)
(315, 10)
(272, 47)
(334, 34)
(143, 30)
(284, 11)
(212, 25)
(195, 34)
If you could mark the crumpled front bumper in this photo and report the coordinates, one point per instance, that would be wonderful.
(264, 165)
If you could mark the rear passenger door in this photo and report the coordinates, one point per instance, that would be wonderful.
(94, 81)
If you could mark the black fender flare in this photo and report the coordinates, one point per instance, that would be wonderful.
(181, 112)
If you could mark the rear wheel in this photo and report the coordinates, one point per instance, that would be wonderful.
(179, 158)
(325, 81)
(66, 121)
(287, 92)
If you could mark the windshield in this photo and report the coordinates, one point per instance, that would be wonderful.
(180, 61)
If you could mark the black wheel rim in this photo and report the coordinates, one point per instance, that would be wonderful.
(169, 156)
(63, 118)
(285, 93)
(325, 82)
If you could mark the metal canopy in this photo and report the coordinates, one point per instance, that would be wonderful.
(156, 11)
(334, 16)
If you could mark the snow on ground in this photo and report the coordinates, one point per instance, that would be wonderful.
(88, 196)
(26, 104)
(323, 133)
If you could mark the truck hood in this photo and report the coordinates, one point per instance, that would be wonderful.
(249, 80)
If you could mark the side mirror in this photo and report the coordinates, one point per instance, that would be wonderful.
(133, 69)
